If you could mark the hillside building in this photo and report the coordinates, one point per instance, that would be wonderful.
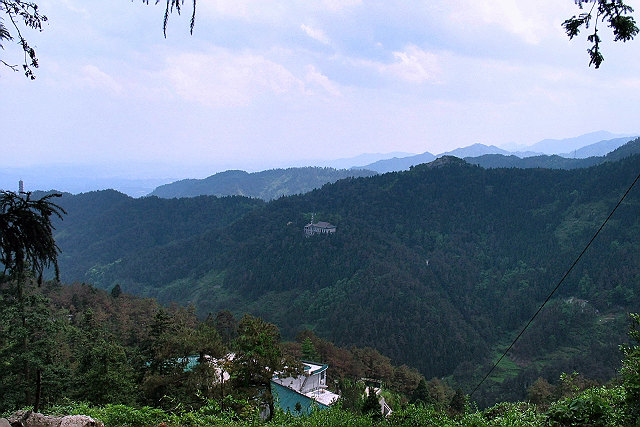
(319, 227)
(299, 395)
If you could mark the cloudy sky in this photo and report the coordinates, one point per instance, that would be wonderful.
(264, 83)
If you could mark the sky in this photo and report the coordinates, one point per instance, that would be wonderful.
(265, 83)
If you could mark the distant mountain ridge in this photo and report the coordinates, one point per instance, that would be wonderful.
(274, 183)
(475, 150)
(265, 185)
(359, 160)
(568, 145)
(138, 178)
(539, 157)
(397, 164)
(557, 162)
(597, 149)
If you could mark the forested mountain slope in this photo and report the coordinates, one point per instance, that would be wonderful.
(104, 227)
(436, 267)
(266, 185)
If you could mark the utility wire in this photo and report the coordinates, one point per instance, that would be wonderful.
(557, 286)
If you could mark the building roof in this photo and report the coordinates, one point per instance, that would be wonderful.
(323, 396)
(290, 392)
(324, 224)
(311, 368)
(289, 396)
(287, 399)
(321, 224)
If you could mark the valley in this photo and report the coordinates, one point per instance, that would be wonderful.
(435, 267)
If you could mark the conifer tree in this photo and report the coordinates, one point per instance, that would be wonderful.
(309, 351)
(27, 247)
(371, 404)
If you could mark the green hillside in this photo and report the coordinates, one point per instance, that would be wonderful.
(266, 185)
(436, 267)
(103, 228)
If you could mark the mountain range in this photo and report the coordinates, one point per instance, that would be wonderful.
(266, 185)
(139, 179)
(569, 145)
(275, 183)
(437, 267)
(624, 149)
(588, 145)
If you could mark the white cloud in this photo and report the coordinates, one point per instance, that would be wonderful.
(225, 79)
(414, 65)
(338, 5)
(316, 78)
(411, 65)
(274, 11)
(530, 21)
(429, 65)
(236, 8)
(96, 78)
(315, 34)
(71, 6)
(249, 10)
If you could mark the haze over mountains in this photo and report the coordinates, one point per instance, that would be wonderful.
(588, 145)
(140, 179)
(274, 183)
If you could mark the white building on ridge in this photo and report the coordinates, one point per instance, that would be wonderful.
(319, 227)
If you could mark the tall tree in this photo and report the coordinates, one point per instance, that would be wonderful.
(309, 352)
(104, 373)
(27, 247)
(259, 357)
(371, 404)
(26, 233)
(226, 325)
(168, 344)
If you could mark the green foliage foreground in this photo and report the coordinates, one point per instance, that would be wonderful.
(509, 414)
(614, 405)
(599, 406)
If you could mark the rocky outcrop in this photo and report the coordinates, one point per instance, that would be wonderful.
(79, 421)
(35, 419)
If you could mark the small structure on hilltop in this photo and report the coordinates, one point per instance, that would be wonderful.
(299, 395)
(319, 227)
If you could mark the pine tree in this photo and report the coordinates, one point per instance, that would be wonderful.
(309, 351)
(27, 247)
(372, 404)
(116, 291)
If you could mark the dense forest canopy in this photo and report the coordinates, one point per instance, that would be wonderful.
(130, 362)
(434, 267)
